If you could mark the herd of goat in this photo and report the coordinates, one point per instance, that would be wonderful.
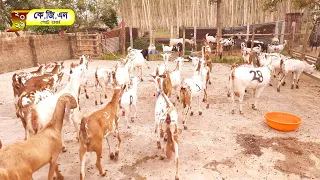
(43, 109)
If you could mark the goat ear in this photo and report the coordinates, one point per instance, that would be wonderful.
(163, 76)
(151, 81)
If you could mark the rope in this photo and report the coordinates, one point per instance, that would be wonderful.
(110, 51)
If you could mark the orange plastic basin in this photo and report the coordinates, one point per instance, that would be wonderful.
(282, 121)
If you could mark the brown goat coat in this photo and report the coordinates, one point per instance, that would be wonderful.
(19, 160)
(96, 126)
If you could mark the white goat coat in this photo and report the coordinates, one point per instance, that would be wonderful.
(243, 78)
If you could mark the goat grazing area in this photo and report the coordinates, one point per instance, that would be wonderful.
(216, 145)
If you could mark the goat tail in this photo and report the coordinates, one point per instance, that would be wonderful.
(169, 146)
(231, 80)
(83, 133)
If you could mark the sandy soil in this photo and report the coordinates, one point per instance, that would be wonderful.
(217, 145)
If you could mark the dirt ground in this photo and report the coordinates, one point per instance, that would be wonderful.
(217, 145)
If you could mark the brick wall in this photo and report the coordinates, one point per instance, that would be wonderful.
(22, 52)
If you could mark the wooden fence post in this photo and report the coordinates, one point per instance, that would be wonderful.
(305, 41)
(195, 37)
(276, 30)
(252, 43)
(184, 42)
(248, 31)
(131, 38)
(283, 27)
(33, 51)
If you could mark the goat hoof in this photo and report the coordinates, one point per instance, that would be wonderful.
(210, 82)
(103, 174)
(178, 97)
(200, 113)
(232, 112)
(87, 96)
(204, 100)
(132, 119)
(64, 149)
(228, 94)
(274, 76)
(105, 96)
(96, 102)
(270, 84)
(158, 145)
(154, 94)
(207, 106)
(141, 80)
(165, 138)
(191, 114)
(116, 156)
(278, 89)
(123, 113)
(162, 157)
(297, 87)
(185, 127)
(101, 102)
(111, 156)
(284, 83)
(292, 86)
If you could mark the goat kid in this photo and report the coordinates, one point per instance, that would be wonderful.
(95, 127)
(277, 48)
(103, 78)
(129, 101)
(296, 67)
(21, 159)
(83, 62)
(191, 88)
(210, 39)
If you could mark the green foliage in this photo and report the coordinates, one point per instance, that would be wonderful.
(139, 44)
(109, 18)
(228, 59)
(271, 5)
(112, 57)
(47, 29)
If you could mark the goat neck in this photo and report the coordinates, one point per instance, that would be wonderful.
(64, 101)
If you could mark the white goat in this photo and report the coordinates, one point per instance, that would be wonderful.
(175, 75)
(296, 67)
(276, 48)
(167, 48)
(210, 39)
(245, 77)
(103, 78)
(137, 62)
(129, 100)
(122, 75)
(40, 114)
(176, 41)
(191, 88)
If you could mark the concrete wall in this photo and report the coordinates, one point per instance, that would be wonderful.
(22, 52)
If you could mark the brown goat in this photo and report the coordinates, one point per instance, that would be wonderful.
(166, 84)
(185, 96)
(96, 126)
(21, 159)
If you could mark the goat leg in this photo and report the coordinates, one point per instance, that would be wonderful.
(98, 162)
